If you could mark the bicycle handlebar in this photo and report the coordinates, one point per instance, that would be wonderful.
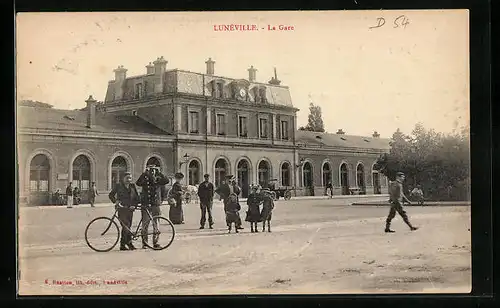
(134, 207)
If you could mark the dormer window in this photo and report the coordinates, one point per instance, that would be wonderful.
(262, 95)
(218, 89)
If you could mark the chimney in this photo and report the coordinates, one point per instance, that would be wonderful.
(375, 134)
(91, 110)
(210, 66)
(160, 66)
(120, 73)
(274, 80)
(340, 132)
(251, 74)
(150, 69)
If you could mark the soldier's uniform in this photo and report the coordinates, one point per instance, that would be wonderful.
(396, 198)
(150, 199)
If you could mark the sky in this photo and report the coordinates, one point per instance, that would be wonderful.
(365, 78)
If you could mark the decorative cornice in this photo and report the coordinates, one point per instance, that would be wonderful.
(94, 135)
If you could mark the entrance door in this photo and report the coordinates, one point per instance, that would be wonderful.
(243, 177)
(376, 183)
(220, 172)
(39, 180)
(308, 180)
(344, 179)
(81, 176)
(264, 174)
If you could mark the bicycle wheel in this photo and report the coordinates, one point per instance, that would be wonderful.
(102, 234)
(162, 232)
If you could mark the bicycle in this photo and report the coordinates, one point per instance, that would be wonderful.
(111, 234)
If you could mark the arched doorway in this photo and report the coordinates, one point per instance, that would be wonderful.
(360, 178)
(194, 173)
(307, 174)
(221, 170)
(81, 176)
(243, 177)
(153, 161)
(344, 179)
(377, 189)
(327, 174)
(285, 174)
(39, 180)
(264, 173)
(118, 168)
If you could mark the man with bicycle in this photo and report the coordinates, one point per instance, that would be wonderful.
(126, 198)
(151, 181)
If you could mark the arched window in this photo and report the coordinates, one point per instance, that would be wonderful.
(220, 171)
(360, 176)
(243, 177)
(118, 168)
(81, 173)
(327, 173)
(39, 173)
(285, 174)
(344, 179)
(264, 173)
(153, 161)
(194, 172)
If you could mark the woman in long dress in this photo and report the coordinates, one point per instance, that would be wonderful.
(253, 214)
(176, 214)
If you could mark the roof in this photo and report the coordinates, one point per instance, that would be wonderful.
(337, 140)
(74, 120)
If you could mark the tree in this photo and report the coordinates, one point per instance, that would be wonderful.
(439, 163)
(315, 120)
(31, 103)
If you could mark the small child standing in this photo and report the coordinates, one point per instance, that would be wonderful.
(232, 208)
(267, 209)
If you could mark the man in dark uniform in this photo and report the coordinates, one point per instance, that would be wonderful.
(227, 188)
(125, 194)
(397, 197)
(151, 182)
(93, 194)
(206, 195)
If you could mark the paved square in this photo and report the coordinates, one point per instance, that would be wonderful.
(316, 246)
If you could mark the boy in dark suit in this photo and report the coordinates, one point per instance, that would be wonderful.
(125, 194)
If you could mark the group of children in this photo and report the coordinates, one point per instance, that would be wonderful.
(254, 214)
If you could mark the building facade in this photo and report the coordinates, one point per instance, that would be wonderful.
(193, 123)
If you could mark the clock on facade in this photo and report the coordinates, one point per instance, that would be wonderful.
(243, 92)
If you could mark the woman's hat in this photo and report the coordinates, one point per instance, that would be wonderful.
(179, 175)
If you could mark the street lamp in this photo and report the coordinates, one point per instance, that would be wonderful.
(186, 159)
(301, 162)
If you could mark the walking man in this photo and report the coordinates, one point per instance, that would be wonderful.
(69, 195)
(206, 195)
(151, 181)
(397, 197)
(126, 198)
(93, 194)
(329, 189)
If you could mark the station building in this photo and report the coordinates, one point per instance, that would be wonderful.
(193, 123)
